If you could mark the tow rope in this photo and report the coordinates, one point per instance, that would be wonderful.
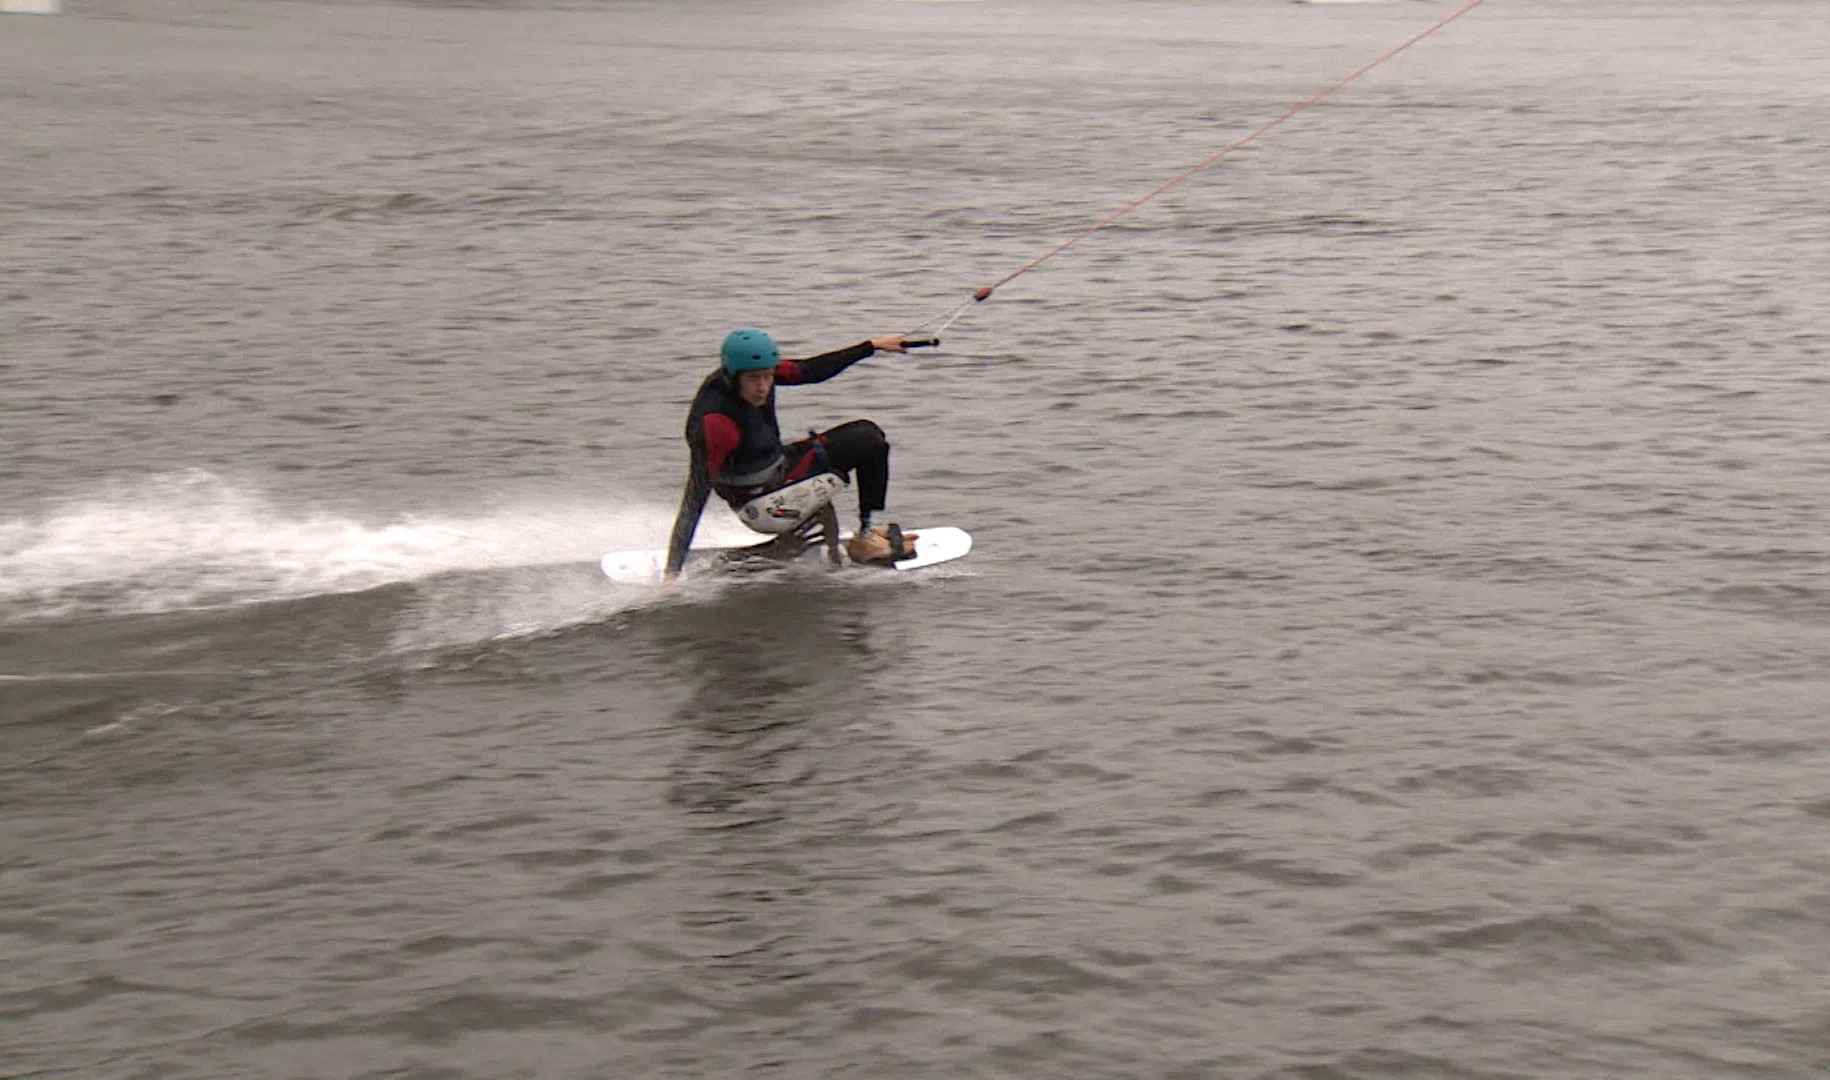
(928, 334)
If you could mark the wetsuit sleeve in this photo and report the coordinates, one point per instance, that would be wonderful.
(721, 436)
(692, 504)
(822, 367)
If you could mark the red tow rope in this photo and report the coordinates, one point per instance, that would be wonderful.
(985, 293)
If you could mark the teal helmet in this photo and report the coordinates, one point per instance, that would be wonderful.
(748, 350)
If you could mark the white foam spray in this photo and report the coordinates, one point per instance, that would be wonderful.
(193, 539)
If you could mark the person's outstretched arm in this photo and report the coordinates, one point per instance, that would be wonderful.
(824, 366)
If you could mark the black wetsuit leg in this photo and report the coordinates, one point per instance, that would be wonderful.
(860, 445)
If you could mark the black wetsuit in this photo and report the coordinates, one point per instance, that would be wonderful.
(737, 450)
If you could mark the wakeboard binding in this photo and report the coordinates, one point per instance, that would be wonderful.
(885, 545)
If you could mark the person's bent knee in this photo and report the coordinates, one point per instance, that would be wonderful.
(867, 433)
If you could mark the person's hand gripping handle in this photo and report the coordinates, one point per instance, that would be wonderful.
(905, 342)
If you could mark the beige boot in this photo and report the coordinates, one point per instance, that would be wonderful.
(879, 545)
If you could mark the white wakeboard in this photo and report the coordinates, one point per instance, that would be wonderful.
(939, 544)
(935, 545)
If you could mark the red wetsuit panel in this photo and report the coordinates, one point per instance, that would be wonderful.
(721, 437)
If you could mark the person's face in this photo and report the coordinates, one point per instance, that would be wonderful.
(754, 386)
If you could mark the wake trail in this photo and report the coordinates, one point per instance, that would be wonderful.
(195, 540)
